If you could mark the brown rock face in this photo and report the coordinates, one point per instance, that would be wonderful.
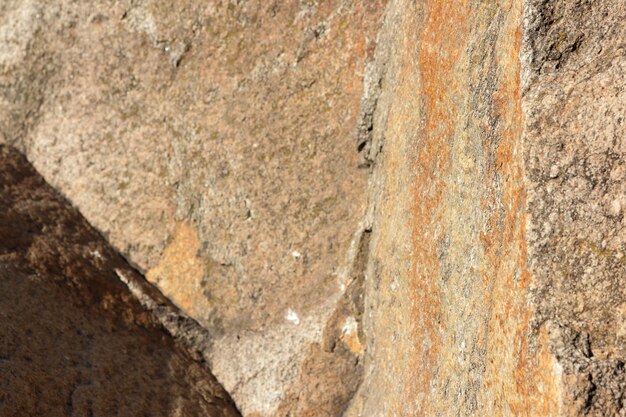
(575, 154)
(446, 311)
(373, 208)
(74, 341)
(212, 143)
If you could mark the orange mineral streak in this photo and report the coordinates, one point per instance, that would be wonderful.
(439, 55)
(505, 261)
(512, 382)
(521, 382)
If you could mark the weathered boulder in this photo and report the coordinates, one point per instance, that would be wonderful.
(446, 315)
(386, 207)
(212, 143)
(574, 98)
(74, 341)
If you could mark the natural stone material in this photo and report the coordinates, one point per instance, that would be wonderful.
(446, 313)
(496, 277)
(374, 208)
(73, 339)
(212, 143)
(575, 154)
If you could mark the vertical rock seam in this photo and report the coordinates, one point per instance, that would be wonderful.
(212, 143)
(465, 257)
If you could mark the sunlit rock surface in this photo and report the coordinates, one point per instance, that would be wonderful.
(386, 207)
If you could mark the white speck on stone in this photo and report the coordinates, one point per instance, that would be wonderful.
(350, 326)
(296, 254)
(554, 171)
(342, 287)
(615, 208)
(292, 316)
(96, 254)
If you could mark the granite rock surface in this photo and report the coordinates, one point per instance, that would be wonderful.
(372, 208)
(495, 280)
(212, 143)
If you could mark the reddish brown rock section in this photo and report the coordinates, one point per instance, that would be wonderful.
(448, 279)
(74, 341)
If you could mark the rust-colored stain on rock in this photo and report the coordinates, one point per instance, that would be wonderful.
(468, 278)
(180, 272)
(465, 258)
(439, 54)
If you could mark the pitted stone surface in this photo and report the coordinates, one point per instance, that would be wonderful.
(375, 207)
(575, 153)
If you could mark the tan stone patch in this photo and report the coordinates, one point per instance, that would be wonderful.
(179, 272)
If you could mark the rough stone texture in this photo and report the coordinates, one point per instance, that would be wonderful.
(423, 195)
(446, 314)
(213, 144)
(73, 339)
(496, 277)
(575, 152)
